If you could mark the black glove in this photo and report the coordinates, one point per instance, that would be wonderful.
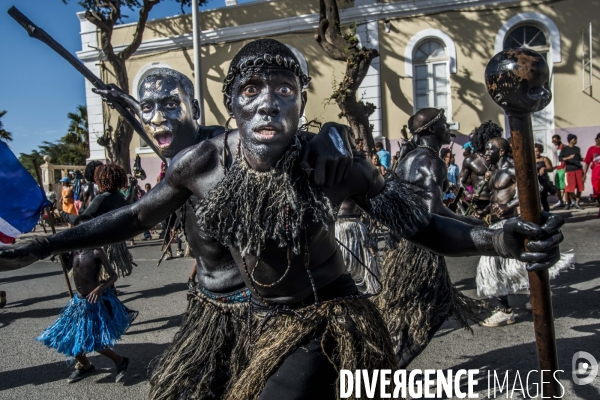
(329, 154)
(23, 254)
(542, 248)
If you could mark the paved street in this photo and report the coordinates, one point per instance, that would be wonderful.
(36, 294)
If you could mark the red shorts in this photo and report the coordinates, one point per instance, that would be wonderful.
(596, 187)
(574, 181)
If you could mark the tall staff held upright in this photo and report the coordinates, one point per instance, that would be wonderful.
(517, 80)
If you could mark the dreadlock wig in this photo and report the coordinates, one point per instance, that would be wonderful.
(483, 133)
(110, 177)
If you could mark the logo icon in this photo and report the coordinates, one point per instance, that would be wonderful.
(588, 368)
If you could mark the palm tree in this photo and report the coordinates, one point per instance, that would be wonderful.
(78, 133)
(4, 135)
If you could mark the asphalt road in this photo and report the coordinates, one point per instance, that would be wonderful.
(36, 294)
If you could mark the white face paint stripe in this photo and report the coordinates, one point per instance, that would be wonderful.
(337, 141)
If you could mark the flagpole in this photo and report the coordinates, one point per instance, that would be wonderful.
(51, 221)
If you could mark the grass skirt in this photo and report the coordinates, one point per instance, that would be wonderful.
(417, 294)
(354, 235)
(120, 259)
(83, 327)
(497, 276)
(356, 327)
(208, 350)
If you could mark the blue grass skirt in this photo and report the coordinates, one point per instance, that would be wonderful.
(83, 327)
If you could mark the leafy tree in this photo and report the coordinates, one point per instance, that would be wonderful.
(342, 44)
(78, 133)
(105, 14)
(4, 135)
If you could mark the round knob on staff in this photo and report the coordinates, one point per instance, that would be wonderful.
(518, 81)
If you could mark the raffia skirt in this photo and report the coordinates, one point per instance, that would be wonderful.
(84, 327)
(497, 276)
(208, 351)
(361, 341)
(417, 294)
(353, 234)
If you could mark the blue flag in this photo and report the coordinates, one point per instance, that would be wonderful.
(22, 199)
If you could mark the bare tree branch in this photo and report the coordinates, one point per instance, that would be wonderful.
(139, 30)
(342, 45)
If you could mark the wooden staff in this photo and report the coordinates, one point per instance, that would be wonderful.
(48, 211)
(517, 80)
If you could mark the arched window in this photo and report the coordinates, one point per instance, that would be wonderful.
(527, 36)
(532, 37)
(431, 76)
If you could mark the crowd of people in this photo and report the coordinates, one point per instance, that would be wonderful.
(567, 185)
(276, 308)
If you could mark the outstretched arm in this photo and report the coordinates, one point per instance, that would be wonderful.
(399, 206)
(455, 239)
(113, 227)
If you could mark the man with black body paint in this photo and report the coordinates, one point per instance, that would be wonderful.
(475, 166)
(418, 295)
(267, 101)
(168, 111)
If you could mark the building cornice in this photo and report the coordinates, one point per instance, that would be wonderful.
(360, 13)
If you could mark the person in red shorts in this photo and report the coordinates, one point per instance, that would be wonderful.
(571, 155)
(592, 158)
(559, 174)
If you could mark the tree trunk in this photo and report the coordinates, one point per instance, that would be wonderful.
(118, 140)
(344, 47)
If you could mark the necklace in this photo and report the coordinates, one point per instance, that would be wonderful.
(424, 146)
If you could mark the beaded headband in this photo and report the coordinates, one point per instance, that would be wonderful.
(265, 61)
(428, 124)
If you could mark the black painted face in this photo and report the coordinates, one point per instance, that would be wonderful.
(168, 115)
(492, 152)
(267, 107)
(441, 129)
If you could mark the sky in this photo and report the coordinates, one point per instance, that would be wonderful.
(37, 86)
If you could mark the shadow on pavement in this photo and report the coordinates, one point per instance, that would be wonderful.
(523, 358)
(6, 318)
(155, 292)
(170, 322)
(19, 278)
(581, 219)
(140, 356)
(567, 289)
(34, 300)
